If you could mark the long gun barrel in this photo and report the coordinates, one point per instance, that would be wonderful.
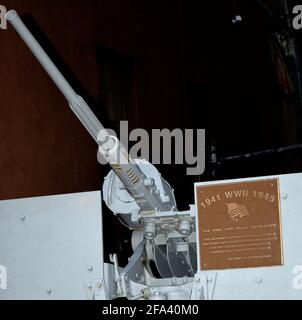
(147, 197)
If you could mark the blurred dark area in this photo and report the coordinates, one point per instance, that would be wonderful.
(158, 64)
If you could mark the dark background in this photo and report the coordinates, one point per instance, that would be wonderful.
(158, 64)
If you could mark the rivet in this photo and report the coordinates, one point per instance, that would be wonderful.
(48, 291)
(99, 285)
(23, 218)
(90, 268)
(259, 280)
(284, 196)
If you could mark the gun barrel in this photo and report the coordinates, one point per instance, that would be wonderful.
(77, 104)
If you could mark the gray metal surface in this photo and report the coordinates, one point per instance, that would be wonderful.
(51, 246)
(270, 282)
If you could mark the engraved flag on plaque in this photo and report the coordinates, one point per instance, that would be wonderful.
(239, 224)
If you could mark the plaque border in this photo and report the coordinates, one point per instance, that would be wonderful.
(229, 182)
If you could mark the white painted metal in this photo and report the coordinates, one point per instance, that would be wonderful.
(132, 210)
(275, 282)
(52, 247)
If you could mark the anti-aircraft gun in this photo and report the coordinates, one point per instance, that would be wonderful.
(241, 239)
(136, 192)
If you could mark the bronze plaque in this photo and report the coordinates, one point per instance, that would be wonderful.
(239, 225)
